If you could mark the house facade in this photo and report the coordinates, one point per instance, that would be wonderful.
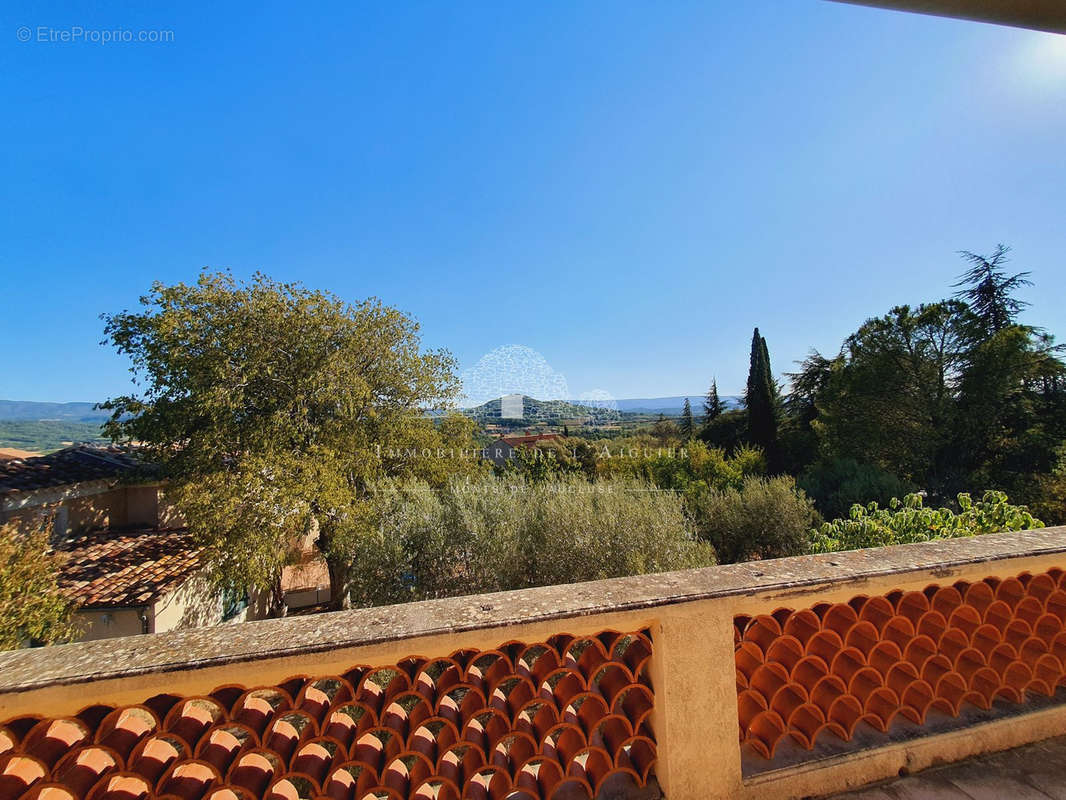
(129, 563)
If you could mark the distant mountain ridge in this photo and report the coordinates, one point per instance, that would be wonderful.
(28, 410)
(559, 409)
(32, 411)
(541, 410)
(671, 405)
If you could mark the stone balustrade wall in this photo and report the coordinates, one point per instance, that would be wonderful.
(787, 678)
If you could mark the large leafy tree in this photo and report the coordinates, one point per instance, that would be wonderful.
(1012, 395)
(948, 396)
(890, 399)
(799, 440)
(32, 607)
(272, 408)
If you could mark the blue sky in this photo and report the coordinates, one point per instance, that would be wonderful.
(626, 188)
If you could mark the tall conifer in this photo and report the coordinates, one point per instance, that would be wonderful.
(712, 406)
(761, 400)
(687, 426)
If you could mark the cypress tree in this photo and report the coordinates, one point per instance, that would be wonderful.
(687, 427)
(712, 406)
(761, 400)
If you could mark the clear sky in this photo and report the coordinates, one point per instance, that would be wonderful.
(625, 187)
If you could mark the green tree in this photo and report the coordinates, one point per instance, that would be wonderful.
(1011, 396)
(687, 426)
(799, 438)
(729, 430)
(989, 291)
(32, 607)
(271, 408)
(664, 430)
(837, 484)
(712, 405)
(946, 396)
(890, 399)
(762, 400)
(1048, 492)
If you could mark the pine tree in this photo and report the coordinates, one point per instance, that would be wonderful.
(761, 400)
(990, 291)
(712, 406)
(687, 426)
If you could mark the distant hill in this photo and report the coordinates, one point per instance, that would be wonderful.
(670, 406)
(550, 411)
(44, 427)
(27, 411)
(44, 436)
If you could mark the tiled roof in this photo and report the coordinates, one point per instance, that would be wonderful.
(72, 465)
(126, 568)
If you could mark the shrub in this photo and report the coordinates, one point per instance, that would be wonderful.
(910, 521)
(837, 484)
(492, 535)
(764, 518)
(1049, 497)
(690, 467)
(1045, 493)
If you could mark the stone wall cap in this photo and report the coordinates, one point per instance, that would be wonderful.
(21, 670)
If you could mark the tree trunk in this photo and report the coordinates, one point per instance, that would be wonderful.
(278, 607)
(340, 584)
(340, 572)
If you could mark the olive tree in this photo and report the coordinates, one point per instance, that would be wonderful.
(32, 606)
(270, 408)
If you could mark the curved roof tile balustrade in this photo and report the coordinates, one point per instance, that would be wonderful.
(822, 671)
(561, 718)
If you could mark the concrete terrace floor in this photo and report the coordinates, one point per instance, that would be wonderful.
(1034, 772)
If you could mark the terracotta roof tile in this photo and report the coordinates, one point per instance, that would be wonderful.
(72, 465)
(126, 568)
(565, 717)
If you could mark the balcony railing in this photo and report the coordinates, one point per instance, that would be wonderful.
(788, 678)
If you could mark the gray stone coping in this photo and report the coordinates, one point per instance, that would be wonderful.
(82, 662)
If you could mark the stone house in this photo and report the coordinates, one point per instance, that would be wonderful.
(131, 565)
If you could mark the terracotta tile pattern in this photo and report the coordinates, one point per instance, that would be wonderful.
(72, 465)
(565, 718)
(126, 568)
(820, 671)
